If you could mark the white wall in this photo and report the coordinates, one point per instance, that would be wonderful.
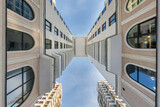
(80, 46)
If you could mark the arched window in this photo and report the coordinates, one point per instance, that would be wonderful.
(143, 76)
(21, 8)
(19, 85)
(131, 4)
(143, 35)
(17, 40)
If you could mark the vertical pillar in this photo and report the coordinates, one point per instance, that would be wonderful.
(2, 51)
(158, 55)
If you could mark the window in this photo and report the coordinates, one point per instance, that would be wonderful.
(61, 34)
(104, 26)
(64, 36)
(48, 25)
(56, 45)
(112, 19)
(99, 17)
(99, 31)
(64, 46)
(48, 44)
(61, 45)
(142, 75)
(95, 33)
(143, 35)
(55, 31)
(17, 41)
(19, 85)
(109, 2)
(50, 1)
(132, 4)
(104, 10)
(21, 8)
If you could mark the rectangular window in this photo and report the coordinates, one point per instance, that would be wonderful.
(104, 10)
(95, 33)
(109, 2)
(64, 46)
(61, 45)
(64, 36)
(55, 31)
(61, 34)
(99, 31)
(112, 19)
(48, 25)
(55, 44)
(99, 17)
(104, 26)
(48, 44)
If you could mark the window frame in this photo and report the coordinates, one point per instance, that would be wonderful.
(22, 85)
(22, 10)
(48, 44)
(104, 26)
(50, 27)
(56, 31)
(138, 70)
(110, 21)
(56, 45)
(140, 35)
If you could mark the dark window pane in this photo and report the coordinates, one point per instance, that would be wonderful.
(132, 71)
(145, 37)
(16, 6)
(28, 86)
(148, 27)
(17, 40)
(28, 75)
(28, 42)
(14, 40)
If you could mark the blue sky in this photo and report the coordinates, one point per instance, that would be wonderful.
(80, 15)
(79, 82)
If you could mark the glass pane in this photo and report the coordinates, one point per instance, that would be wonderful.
(28, 86)
(13, 97)
(14, 40)
(132, 71)
(148, 41)
(28, 75)
(27, 11)
(133, 32)
(14, 83)
(132, 42)
(148, 27)
(147, 78)
(28, 42)
(12, 73)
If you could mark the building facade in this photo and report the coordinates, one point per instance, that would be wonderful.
(29, 66)
(122, 45)
(51, 99)
(107, 96)
(36, 46)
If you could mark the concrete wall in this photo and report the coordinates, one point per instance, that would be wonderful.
(141, 57)
(46, 74)
(56, 21)
(80, 46)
